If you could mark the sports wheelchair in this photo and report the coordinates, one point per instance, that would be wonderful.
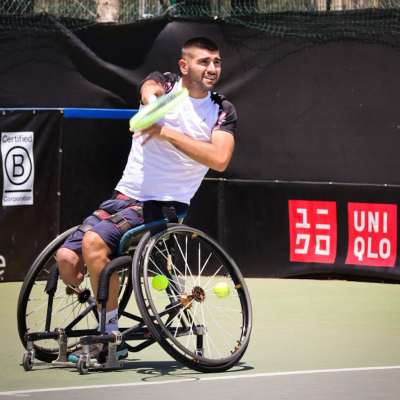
(196, 325)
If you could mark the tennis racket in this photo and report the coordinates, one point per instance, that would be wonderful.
(152, 112)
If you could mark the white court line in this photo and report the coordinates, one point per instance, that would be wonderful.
(213, 378)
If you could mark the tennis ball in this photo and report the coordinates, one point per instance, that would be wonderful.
(159, 282)
(221, 289)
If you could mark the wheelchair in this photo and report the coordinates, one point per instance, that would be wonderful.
(196, 325)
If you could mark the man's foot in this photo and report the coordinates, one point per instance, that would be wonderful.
(99, 353)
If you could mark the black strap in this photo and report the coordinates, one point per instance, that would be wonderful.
(168, 212)
(120, 222)
(84, 227)
(100, 214)
(123, 224)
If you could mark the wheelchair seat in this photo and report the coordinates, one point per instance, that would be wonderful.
(131, 238)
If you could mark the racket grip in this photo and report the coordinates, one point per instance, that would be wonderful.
(152, 99)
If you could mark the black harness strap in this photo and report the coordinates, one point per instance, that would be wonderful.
(100, 214)
(123, 224)
(168, 212)
(120, 222)
(84, 227)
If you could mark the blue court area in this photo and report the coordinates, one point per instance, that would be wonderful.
(310, 340)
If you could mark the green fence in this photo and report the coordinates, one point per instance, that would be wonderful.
(301, 18)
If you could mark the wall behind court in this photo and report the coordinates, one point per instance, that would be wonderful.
(311, 112)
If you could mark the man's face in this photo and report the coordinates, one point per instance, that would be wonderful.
(201, 69)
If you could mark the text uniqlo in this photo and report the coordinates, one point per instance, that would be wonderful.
(372, 234)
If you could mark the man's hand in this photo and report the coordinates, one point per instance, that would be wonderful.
(154, 132)
(150, 89)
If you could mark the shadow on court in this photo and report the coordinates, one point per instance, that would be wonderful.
(310, 340)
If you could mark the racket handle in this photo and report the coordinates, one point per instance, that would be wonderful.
(152, 99)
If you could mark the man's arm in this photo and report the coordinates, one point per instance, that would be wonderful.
(215, 154)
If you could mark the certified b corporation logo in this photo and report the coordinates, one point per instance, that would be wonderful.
(18, 168)
(18, 165)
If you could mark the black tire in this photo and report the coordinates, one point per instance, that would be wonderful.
(33, 301)
(188, 311)
(27, 361)
(83, 367)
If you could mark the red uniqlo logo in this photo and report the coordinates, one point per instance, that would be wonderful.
(313, 231)
(372, 234)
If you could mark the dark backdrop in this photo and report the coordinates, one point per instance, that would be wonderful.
(311, 112)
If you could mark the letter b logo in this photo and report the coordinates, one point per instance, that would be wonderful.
(18, 165)
(18, 168)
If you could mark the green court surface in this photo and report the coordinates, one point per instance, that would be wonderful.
(298, 326)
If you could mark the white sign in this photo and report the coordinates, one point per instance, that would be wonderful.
(2, 265)
(18, 168)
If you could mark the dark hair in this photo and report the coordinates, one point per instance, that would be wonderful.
(200, 43)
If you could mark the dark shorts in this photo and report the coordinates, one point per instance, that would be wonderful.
(111, 233)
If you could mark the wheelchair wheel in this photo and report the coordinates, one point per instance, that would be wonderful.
(205, 329)
(68, 303)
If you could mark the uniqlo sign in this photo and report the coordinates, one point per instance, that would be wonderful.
(372, 234)
(313, 231)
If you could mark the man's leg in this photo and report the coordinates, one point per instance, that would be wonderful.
(70, 266)
(96, 255)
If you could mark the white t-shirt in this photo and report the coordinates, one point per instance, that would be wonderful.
(159, 171)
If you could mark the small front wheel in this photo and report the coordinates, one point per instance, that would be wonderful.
(27, 361)
(83, 366)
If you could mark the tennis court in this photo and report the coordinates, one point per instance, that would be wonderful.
(311, 340)
(314, 83)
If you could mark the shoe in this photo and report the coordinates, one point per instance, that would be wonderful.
(120, 354)
(94, 350)
(99, 353)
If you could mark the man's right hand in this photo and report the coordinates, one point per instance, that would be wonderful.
(149, 89)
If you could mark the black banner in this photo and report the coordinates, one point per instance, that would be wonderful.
(283, 229)
(314, 111)
(95, 152)
(309, 111)
(30, 187)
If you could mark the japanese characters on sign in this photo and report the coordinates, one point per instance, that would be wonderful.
(372, 233)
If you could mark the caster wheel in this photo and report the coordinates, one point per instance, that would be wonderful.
(83, 367)
(27, 361)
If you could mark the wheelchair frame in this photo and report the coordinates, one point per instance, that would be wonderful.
(200, 329)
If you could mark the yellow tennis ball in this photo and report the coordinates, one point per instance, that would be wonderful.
(159, 282)
(221, 289)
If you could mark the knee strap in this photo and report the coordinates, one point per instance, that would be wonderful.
(84, 227)
(100, 214)
(120, 222)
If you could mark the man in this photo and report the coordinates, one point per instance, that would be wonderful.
(165, 167)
